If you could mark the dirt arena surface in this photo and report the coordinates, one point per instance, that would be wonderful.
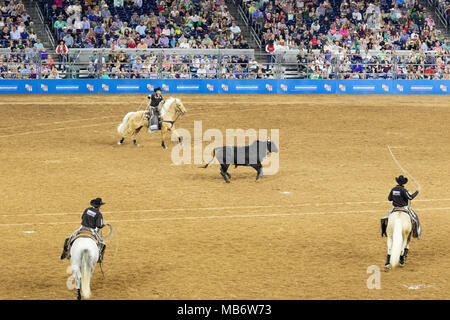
(183, 233)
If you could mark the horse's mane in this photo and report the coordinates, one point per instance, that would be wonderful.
(166, 105)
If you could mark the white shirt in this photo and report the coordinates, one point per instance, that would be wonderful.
(235, 29)
(141, 29)
(15, 35)
(184, 45)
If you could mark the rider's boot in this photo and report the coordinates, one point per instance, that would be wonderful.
(384, 223)
(65, 252)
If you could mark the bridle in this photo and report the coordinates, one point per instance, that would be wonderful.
(179, 113)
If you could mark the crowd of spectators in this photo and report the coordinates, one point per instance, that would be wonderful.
(142, 24)
(347, 64)
(352, 24)
(104, 64)
(27, 57)
(16, 27)
(334, 39)
(341, 29)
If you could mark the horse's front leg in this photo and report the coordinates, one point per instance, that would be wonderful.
(121, 140)
(163, 132)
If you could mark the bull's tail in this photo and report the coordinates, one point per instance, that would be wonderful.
(206, 165)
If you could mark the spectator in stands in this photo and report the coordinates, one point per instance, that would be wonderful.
(235, 29)
(62, 50)
(270, 50)
(60, 23)
(141, 29)
(68, 40)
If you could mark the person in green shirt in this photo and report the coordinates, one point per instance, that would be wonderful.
(104, 75)
(60, 23)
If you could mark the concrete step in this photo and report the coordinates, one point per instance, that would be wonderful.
(39, 26)
(260, 55)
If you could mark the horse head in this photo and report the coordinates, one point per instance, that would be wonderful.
(179, 106)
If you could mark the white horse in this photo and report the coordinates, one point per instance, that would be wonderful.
(84, 256)
(398, 236)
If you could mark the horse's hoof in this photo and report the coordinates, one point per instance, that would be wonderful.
(119, 143)
(386, 268)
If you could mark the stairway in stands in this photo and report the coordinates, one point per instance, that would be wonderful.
(39, 25)
(260, 54)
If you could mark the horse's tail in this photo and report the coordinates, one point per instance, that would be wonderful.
(397, 241)
(124, 125)
(86, 273)
(206, 165)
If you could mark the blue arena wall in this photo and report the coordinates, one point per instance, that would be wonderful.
(270, 86)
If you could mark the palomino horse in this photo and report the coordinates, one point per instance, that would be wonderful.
(133, 122)
(398, 236)
(83, 258)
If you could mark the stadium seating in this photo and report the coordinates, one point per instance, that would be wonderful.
(339, 32)
(204, 25)
(16, 28)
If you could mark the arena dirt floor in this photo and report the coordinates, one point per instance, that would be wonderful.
(310, 231)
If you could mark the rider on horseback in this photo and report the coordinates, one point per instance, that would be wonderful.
(153, 113)
(400, 198)
(91, 220)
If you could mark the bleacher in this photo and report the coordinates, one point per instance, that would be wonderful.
(211, 22)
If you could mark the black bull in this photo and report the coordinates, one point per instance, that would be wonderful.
(251, 155)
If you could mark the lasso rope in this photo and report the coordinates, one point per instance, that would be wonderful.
(142, 103)
(419, 187)
(111, 233)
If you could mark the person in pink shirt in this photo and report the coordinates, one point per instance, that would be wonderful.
(333, 29)
(158, 30)
(344, 32)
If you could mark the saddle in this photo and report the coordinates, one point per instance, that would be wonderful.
(414, 223)
(84, 234)
(401, 209)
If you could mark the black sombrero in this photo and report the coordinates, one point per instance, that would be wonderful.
(97, 202)
(156, 89)
(401, 180)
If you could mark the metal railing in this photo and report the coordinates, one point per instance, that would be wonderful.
(247, 24)
(46, 28)
(440, 11)
(295, 65)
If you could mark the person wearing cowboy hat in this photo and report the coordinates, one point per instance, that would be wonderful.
(156, 100)
(91, 220)
(401, 198)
